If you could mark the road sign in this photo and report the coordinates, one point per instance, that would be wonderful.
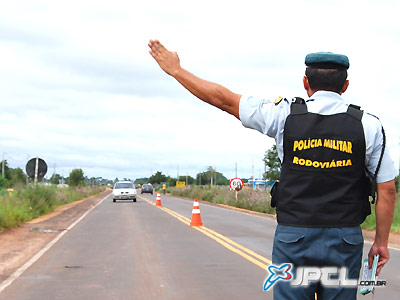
(36, 168)
(180, 184)
(236, 184)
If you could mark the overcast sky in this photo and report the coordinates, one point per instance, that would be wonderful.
(79, 89)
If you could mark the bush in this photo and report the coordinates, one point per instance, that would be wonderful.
(256, 200)
(32, 202)
(370, 223)
(259, 200)
(76, 178)
(40, 199)
(3, 182)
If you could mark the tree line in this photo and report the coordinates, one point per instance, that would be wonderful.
(13, 177)
(208, 177)
(16, 176)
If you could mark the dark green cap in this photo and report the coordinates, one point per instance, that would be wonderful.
(327, 60)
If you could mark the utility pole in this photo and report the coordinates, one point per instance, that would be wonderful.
(36, 170)
(252, 170)
(2, 166)
(200, 177)
(265, 169)
(236, 169)
(54, 174)
(27, 179)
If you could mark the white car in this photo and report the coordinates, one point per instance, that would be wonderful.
(124, 190)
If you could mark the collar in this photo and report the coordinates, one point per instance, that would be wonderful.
(327, 95)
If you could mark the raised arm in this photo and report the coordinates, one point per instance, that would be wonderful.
(384, 210)
(207, 91)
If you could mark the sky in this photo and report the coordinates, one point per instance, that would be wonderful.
(79, 89)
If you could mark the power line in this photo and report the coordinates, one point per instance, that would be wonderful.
(13, 159)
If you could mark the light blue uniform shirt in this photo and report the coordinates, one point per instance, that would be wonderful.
(269, 119)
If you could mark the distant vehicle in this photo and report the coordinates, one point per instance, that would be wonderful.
(124, 190)
(147, 188)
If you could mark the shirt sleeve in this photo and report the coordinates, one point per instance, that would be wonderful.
(374, 141)
(265, 116)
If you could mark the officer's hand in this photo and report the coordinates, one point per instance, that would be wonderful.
(383, 252)
(168, 61)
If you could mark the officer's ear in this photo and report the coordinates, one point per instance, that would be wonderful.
(307, 86)
(305, 83)
(345, 86)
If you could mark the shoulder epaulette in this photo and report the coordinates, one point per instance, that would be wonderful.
(277, 101)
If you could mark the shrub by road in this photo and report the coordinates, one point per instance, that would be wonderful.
(32, 202)
(259, 200)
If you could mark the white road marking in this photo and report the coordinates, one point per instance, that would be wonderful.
(267, 216)
(30, 262)
(390, 247)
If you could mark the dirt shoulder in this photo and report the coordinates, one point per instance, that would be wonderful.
(18, 245)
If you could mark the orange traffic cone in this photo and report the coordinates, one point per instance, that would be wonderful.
(158, 200)
(196, 219)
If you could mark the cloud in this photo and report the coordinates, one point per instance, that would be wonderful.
(79, 89)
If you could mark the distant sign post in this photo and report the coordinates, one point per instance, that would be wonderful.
(36, 168)
(180, 184)
(236, 184)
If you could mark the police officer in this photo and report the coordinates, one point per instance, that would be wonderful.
(325, 145)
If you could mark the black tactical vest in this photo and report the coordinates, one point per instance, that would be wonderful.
(323, 181)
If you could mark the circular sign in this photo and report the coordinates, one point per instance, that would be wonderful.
(236, 184)
(31, 168)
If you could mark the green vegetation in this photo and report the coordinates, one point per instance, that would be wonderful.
(3, 182)
(32, 202)
(272, 164)
(255, 200)
(211, 176)
(12, 177)
(76, 178)
(370, 224)
(259, 200)
(202, 178)
(56, 179)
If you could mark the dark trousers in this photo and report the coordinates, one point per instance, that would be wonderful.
(317, 247)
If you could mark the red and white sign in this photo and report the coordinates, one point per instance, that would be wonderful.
(236, 184)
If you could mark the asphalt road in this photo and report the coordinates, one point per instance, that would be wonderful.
(128, 250)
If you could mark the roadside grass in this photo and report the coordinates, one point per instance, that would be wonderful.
(370, 224)
(255, 200)
(31, 202)
(258, 200)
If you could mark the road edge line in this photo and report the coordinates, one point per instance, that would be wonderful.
(30, 262)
